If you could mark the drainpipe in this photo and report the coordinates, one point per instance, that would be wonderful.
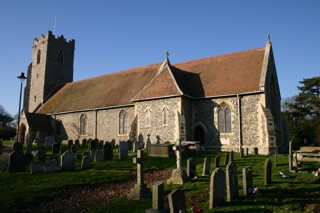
(239, 122)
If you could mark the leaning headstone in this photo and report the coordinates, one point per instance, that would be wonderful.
(247, 180)
(123, 150)
(217, 162)
(177, 201)
(158, 199)
(98, 156)
(68, 162)
(217, 188)
(206, 166)
(226, 159)
(267, 172)
(107, 151)
(140, 190)
(191, 168)
(17, 159)
(55, 148)
(232, 181)
(86, 161)
(36, 167)
(51, 165)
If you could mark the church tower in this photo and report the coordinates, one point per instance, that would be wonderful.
(51, 68)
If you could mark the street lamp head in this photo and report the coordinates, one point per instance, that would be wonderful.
(22, 77)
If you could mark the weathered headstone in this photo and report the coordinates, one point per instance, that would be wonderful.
(84, 142)
(217, 162)
(36, 167)
(51, 165)
(77, 142)
(98, 156)
(267, 171)
(179, 175)
(123, 150)
(17, 159)
(68, 162)
(232, 181)
(107, 151)
(158, 199)
(55, 148)
(140, 190)
(86, 161)
(206, 166)
(177, 201)
(100, 145)
(226, 159)
(217, 188)
(247, 180)
(192, 168)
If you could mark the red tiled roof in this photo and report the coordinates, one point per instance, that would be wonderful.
(221, 75)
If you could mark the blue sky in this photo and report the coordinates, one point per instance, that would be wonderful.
(117, 35)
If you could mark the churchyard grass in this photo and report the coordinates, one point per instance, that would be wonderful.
(299, 193)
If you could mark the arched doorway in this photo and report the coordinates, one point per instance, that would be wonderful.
(199, 135)
(22, 133)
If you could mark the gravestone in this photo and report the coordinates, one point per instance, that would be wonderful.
(84, 143)
(17, 159)
(36, 167)
(74, 148)
(158, 199)
(246, 153)
(226, 159)
(192, 168)
(70, 143)
(48, 141)
(217, 162)
(68, 162)
(206, 166)
(123, 150)
(42, 156)
(100, 145)
(86, 161)
(255, 150)
(231, 156)
(177, 201)
(28, 157)
(113, 142)
(98, 156)
(217, 188)
(160, 150)
(55, 148)
(241, 152)
(77, 142)
(291, 167)
(51, 165)
(148, 144)
(247, 180)
(63, 149)
(179, 175)
(232, 181)
(140, 190)
(136, 146)
(267, 172)
(141, 143)
(40, 143)
(107, 151)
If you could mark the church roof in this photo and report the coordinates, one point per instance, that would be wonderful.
(216, 76)
(38, 121)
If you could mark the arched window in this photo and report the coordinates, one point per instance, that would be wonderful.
(60, 57)
(123, 122)
(83, 121)
(148, 117)
(165, 113)
(224, 118)
(38, 56)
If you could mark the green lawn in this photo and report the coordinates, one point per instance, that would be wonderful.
(297, 194)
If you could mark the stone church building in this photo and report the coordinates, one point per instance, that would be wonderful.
(226, 102)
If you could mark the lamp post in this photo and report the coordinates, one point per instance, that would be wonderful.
(21, 78)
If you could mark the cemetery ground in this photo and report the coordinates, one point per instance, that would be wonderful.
(105, 186)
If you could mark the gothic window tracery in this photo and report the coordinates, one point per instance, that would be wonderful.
(83, 121)
(224, 118)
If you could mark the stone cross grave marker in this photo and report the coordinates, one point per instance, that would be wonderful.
(247, 180)
(206, 166)
(68, 161)
(192, 168)
(217, 188)
(17, 159)
(226, 159)
(148, 144)
(217, 162)
(177, 201)
(123, 150)
(267, 172)
(140, 190)
(158, 199)
(107, 151)
(232, 181)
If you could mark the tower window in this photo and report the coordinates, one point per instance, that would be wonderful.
(224, 118)
(38, 56)
(123, 122)
(35, 98)
(60, 57)
(83, 121)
